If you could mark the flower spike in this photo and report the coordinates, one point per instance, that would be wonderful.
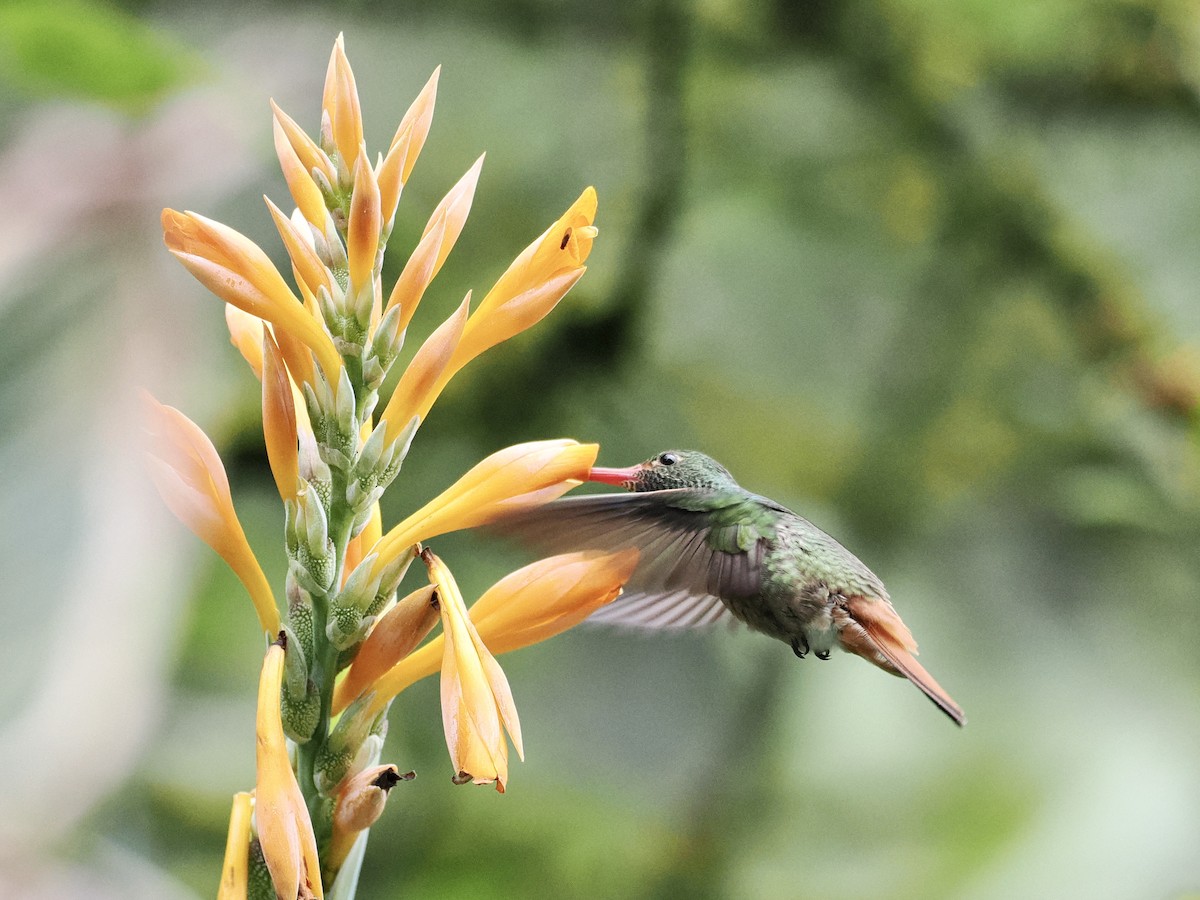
(323, 346)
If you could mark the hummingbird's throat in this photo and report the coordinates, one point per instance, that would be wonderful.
(625, 478)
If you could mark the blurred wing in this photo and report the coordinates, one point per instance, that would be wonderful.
(688, 564)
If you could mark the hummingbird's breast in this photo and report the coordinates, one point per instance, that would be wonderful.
(806, 574)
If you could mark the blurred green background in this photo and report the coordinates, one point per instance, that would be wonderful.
(923, 271)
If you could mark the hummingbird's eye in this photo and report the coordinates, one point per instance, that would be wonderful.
(668, 459)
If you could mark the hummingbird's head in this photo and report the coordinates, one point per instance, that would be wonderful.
(669, 469)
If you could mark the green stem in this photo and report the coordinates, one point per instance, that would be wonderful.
(325, 656)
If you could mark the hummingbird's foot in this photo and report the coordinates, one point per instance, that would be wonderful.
(800, 646)
(822, 654)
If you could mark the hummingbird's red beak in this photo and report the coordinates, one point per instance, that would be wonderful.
(619, 477)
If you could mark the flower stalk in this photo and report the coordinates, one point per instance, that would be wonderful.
(344, 646)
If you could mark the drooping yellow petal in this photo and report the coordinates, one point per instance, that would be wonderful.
(235, 269)
(235, 870)
(437, 240)
(532, 604)
(406, 146)
(415, 394)
(284, 828)
(279, 421)
(476, 497)
(305, 193)
(362, 231)
(477, 706)
(189, 476)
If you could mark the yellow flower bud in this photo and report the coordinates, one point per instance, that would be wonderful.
(362, 231)
(284, 827)
(340, 105)
(437, 240)
(279, 420)
(406, 146)
(394, 636)
(290, 143)
(235, 871)
(360, 802)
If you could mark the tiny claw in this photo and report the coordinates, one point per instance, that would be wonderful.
(800, 646)
(822, 654)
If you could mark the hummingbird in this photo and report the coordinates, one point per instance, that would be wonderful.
(710, 549)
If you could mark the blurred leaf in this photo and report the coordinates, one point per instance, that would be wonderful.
(90, 51)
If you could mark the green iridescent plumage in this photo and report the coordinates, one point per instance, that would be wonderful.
(709, 548)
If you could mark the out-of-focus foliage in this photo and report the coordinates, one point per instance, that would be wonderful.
(89, 51)
(924, 272)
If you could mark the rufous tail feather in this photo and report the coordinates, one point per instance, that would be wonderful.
(874, 631)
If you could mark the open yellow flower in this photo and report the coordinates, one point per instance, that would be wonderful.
(189, 476)
(284, 828)
(235, 269)
(532, 286)
(536, 471)
(535, 282)
(477, 704)
(530, 605)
